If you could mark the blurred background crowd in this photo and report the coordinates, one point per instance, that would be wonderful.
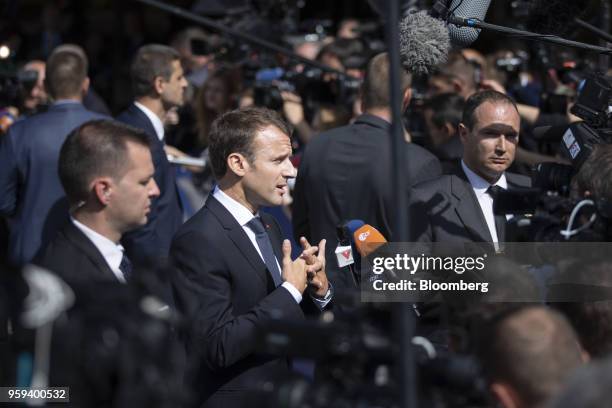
(527, 352)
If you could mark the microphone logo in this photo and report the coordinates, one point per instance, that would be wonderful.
(364, 235)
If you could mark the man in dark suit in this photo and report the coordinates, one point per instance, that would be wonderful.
(31, 196)
(458, 207)
(234, 272)
(106, 170)
(344, 173)
(158, 84)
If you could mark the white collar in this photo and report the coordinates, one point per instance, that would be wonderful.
(155, 120)
(479, 184)
(112, 252)
(67, 102)
(242, 214)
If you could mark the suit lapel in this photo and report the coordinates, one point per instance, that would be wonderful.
(237, 235)
(80, 241)
(468, 209)
(144, 123)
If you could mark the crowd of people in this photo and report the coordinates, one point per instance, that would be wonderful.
(221, 194)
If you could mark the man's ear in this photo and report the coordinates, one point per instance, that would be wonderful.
(585, 356)
(448, 129)
(505, 395)
(406, 99)
(237, 164)
(85, 86)
(103, 190)
(158, 84)
(458, 86)
(463, 133)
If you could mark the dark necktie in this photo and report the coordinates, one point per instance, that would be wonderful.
(500, 220)
(126, 267)
(265, 246)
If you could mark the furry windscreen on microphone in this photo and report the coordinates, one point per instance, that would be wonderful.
(424, 42)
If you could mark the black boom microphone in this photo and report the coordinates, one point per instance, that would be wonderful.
(475, 22)
(243, 37)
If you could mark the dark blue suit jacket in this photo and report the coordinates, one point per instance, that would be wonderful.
(31, 195)
(152, 241)
(226, 293)
(73, 257)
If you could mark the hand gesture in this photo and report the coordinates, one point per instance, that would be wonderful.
(294, 272)
(317, 278)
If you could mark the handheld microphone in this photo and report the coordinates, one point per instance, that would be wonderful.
(345, 231)
(345, 250)
(367, 239)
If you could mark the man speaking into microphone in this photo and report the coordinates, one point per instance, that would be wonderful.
(344, 173)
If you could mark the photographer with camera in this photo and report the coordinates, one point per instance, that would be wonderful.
(36, 97)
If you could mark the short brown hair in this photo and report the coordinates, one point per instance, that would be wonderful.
(96, 148)
(375, 91)
(531, 348)
(151, 61)
(65, 71)
(234, 132)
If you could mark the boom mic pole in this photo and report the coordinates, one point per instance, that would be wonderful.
(213, 25)
(600, 33)
(403, 317)
(471, 22)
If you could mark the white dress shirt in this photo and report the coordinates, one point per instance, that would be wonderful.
(485, 200)
(243, 215)
(112, 253)
(155, 120)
